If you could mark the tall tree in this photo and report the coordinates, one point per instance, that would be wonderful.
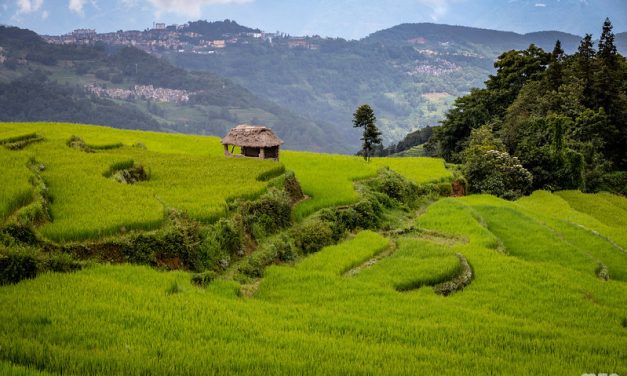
(585, 67)
(610, 95)
(554, 71)
(364, 118)
(607, 49)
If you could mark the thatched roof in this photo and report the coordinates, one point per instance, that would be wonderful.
(251, 136)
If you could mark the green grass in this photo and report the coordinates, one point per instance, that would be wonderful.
(522, 314)
(414, 264)
(329, 179)
(16, 189)
(187, 172)
(535, 305)
(86, 204)
(342, 257)
(605, 207)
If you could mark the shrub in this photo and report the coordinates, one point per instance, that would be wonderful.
(280, 248)
(312, 236)
(392, 189)
(23, 233)
(76, 142)
(127, 172)
(267, 214)
(497, 173)
(177, 245)
(17, 264)
(203, 279)
(61, 263)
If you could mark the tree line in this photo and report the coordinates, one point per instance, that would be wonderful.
(543, 121)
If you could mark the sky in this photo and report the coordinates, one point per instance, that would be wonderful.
(349, 19)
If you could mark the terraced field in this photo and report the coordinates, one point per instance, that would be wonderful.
(187, 172)
(472, 285)
(527, 310)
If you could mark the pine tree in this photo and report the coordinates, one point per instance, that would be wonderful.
(607, 49)
(364, 118)
(585, 68)
(554, 71)
(609, 94)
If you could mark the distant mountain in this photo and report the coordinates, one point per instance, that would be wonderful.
(484, 41)
(621, 42)
(128, 88)
(410, 73)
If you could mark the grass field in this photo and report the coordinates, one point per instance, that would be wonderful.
(187, 172)
(537, 302)
(529, 309)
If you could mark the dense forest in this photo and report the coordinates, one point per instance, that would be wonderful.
(545, 120)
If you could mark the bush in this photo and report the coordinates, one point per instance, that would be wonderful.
(497, 173)
(203, 279)
(268, 214)
(394, 186)
(18, 264)
(312, 236)
(61, 263)
(177, 245)
(615, 182)
(280, 248)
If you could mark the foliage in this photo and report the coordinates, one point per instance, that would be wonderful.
(312, 235)
(364, 118)
(562, 116)
(490, 169)
(267, 214)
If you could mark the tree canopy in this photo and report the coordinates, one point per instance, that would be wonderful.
(562, 116)
(364, 118)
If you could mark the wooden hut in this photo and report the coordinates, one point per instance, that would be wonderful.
(253, 141)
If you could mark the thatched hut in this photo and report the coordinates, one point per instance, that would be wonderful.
(253, 141)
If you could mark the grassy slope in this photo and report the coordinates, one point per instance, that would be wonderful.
(535, 305)
(188, 172)
(86, 204)
(522, 314)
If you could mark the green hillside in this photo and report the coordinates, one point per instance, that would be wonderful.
(410, 73)
(152, 253)
(47, 82)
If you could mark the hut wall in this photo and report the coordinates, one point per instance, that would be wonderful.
(250, 152)
(272, 152)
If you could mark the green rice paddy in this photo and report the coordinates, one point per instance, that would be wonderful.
(365, 306)
(188, 173)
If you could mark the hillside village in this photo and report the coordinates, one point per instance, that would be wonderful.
(188, 39)
(182, 38)
(149, 92)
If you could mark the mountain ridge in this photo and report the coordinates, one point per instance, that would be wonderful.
(97, 84)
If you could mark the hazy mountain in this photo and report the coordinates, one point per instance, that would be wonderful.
(489, 43)
(410, 73)
(621, 42)
(41, 81)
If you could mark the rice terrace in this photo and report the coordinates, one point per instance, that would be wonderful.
(434, 284)
(338, 197)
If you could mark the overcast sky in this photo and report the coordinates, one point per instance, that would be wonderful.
(351, 19)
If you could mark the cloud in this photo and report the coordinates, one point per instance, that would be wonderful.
(540, 5)
(439, 8)
(44, 15)
(28, 6)
(190, 8)
(76, 6)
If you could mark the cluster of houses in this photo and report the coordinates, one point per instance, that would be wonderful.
(156, 94)
(177, 38)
